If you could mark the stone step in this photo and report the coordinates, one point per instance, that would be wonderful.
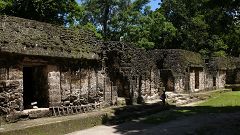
(54, 125)
(69, 110)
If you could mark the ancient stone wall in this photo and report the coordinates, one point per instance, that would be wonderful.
(221, 79)
(192, 81)
(54, 85)
(11, 89)
(64, 85)
(150, 87)
(139, 75)
(208, 83)
(85, 85)
(196, 79)
(206, 80)
(180, 83)
(201, 80)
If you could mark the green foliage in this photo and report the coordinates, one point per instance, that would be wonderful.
(144, 43)
(162, 31)
(205, 26)
(4, 4)
(89, 27)
(103, 14)
(54, 11)
(148, 29)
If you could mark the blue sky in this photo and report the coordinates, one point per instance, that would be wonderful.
(154, 4)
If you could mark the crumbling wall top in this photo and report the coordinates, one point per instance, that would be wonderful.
(177, 60)
(29, 37)
(131, 56)
(222, 63)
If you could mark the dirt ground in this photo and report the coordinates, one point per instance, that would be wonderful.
(190, 125)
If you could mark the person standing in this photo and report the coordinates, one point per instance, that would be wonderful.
(163, 97)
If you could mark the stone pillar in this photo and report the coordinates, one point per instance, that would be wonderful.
(54, 85)
(201, 80)
(134, 91)
(192, 81)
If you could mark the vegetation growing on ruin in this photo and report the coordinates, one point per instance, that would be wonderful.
(42, 39)
(223, 63)
(177, 60)
(191, 58)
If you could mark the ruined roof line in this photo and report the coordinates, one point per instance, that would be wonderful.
(29, 37)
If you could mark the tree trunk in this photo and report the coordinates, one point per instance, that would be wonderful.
(105, 18)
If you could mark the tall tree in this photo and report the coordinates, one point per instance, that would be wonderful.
(101, 12)
(151, 31)
(53, 11)
(204, 25)
(131, 21)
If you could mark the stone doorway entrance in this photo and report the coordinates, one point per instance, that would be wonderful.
(196, 79)
(35, 88)
(167, 79)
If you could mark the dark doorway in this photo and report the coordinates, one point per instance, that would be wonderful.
(35, 90)
(167, 79)
(214, 81)
(196, 79)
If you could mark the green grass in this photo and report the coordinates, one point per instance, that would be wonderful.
(217, 103)
(223, 100)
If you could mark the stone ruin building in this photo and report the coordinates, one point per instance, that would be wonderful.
(233, 74)
(48, 70)
(185, 71)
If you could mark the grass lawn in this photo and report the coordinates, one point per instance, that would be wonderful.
(223, 100)
(219, 102)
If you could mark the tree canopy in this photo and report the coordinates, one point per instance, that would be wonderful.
(211, 27)
(52, 11)
(208, 26)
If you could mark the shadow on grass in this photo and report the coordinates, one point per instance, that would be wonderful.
(179, 112)
(128, 113)
(229, 127)
(166, 114)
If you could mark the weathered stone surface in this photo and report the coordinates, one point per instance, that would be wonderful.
(39, 113)
(82, 86)
(11, 96)
(16, 116)
(54, 85)
(15, 73)
(41, 39)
